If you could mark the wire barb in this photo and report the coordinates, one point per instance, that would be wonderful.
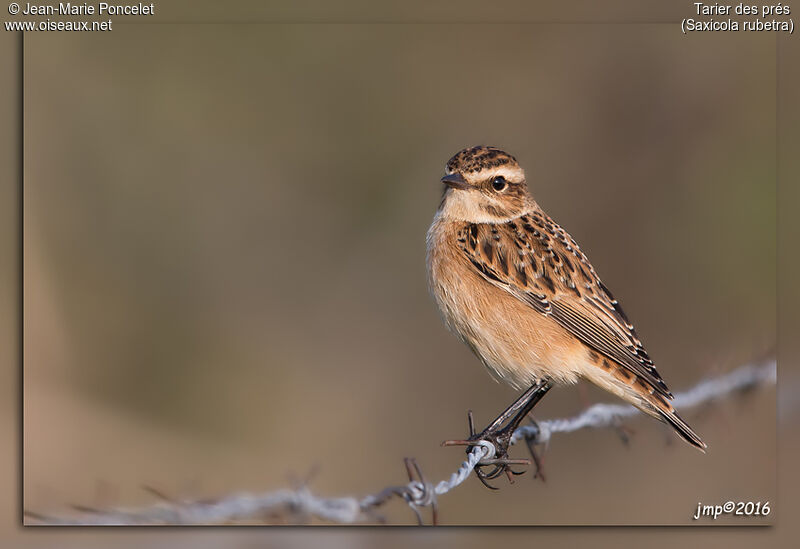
(417, 493)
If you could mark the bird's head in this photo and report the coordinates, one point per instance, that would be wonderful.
(484, 185)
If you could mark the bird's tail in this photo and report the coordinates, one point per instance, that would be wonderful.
(666, 413)
(623, 383)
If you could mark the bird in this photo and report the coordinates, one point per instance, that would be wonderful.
(516, 288)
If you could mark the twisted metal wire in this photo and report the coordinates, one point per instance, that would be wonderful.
(418, 493)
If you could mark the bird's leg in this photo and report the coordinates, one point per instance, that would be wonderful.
(499, 433)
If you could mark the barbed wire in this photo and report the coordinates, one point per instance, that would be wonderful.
(417, 493)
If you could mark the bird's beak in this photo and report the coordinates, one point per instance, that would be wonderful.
(455, 181)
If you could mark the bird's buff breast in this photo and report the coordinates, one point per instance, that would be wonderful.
(516, 343)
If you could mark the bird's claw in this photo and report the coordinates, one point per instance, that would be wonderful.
(500, 463)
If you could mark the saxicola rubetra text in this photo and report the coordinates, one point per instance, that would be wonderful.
(517, 289)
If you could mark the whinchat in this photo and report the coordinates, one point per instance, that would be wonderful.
(516, 288)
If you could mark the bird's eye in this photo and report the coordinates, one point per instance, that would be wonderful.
(499, 183)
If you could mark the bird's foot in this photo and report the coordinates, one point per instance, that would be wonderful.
(538, 461)
(500, 463)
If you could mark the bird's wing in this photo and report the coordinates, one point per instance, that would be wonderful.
(535, 260)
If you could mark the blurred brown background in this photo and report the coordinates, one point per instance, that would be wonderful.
(224, 255)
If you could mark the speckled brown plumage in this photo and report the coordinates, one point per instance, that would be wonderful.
(479, 158)
(516, 288)
(539, 263)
